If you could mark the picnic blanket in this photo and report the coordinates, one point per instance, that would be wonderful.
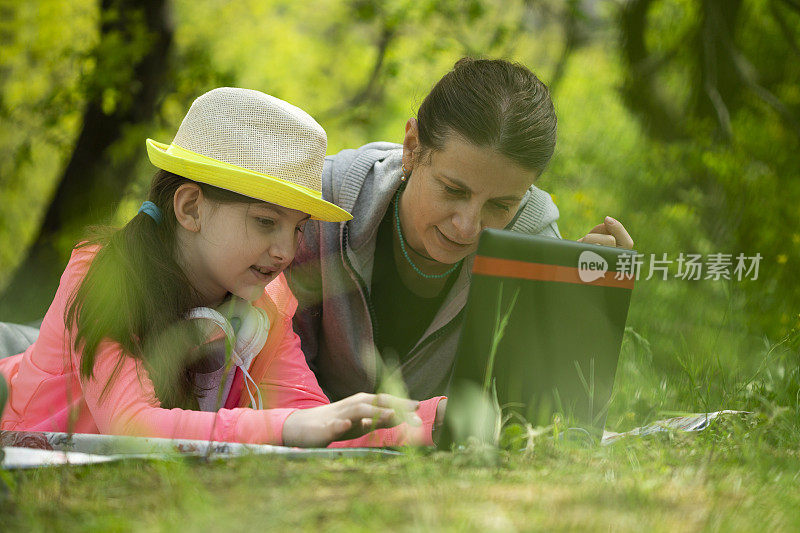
(15, 338)
(34, 449)
(24, 449)
(694, 422)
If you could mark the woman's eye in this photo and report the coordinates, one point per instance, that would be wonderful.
(453, 192)
(265, 222)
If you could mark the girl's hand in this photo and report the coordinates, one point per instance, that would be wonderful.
(347, 419)
(438, 422)
(610, 233)
(441, 410)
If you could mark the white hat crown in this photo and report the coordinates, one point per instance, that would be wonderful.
(257, 132)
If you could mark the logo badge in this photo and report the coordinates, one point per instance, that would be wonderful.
(591, 266)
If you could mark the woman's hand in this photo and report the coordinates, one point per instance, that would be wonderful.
(610, 233)
(347, 419)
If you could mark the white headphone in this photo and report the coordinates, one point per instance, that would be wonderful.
(246, 328)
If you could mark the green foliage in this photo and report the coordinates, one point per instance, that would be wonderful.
(727, 74)
(42, 61)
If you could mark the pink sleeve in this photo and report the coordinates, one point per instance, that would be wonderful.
(288, 381)
(129, 407)
(291, 383)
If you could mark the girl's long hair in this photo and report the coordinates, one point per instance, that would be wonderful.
(136, 294)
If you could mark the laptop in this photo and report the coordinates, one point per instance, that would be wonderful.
(542, 332)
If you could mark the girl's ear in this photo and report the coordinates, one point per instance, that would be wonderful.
(186, 203)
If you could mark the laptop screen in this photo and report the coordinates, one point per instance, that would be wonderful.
(542, 332)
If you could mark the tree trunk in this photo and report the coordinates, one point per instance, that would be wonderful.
(639, 89)
(123, 91)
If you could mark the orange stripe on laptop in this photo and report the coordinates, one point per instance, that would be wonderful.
(510, 268)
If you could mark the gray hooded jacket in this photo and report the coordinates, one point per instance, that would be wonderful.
(332, 272)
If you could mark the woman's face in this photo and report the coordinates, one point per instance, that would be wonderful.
(239, 248)
(456, 192)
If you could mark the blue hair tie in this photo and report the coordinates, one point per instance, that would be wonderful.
(151, 209)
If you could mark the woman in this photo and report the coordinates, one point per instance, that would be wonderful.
(391, 284)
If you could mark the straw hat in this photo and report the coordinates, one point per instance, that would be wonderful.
(253, 144)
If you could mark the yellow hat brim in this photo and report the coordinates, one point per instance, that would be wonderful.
(240, 180)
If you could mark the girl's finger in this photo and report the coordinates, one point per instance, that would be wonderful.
(339, 427)
(360, 397)
(373, 412)
(387, 400)
(369, 424)
(384, 420)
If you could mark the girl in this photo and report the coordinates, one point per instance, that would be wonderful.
(225, 213)
(468, 161)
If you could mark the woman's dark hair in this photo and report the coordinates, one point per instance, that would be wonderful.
(135, 293)
(493, 103)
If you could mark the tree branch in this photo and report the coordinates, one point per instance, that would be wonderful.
(743, 68)
(747, 73)
(794, 4)
(639, 89)
(368, 91)
(710, 81)
(784, 27)
(571, 42)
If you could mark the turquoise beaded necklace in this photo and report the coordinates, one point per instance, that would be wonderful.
(403, 244)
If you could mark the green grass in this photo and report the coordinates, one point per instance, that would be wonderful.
(740, 474)
(727, 478)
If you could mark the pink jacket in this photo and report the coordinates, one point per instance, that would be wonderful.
(47, 394)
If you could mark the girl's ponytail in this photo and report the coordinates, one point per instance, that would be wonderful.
(135, 293)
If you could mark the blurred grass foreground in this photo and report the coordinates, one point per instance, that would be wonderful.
(681, 118)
